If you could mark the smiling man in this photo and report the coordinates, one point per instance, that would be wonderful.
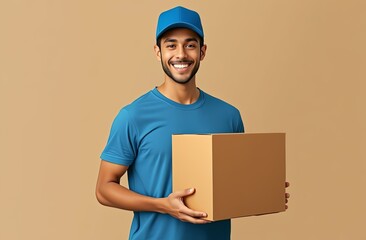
(180, 51)
(186, 61)
(140, 140)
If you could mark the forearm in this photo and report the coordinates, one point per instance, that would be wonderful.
(110, 193)
(113, 194)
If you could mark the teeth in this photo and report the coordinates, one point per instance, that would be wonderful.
(180, 65)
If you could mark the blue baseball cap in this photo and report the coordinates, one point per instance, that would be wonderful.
(179, 17)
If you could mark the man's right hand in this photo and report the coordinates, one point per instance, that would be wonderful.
(109, 192)
(176, 208)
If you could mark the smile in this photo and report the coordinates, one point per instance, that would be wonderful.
(181, 66)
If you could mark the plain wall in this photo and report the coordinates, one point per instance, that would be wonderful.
(67, 67)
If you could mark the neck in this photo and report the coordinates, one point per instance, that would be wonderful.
(181, 93)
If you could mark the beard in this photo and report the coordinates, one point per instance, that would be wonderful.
(181, 81)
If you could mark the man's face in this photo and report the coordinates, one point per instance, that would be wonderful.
(180, 54)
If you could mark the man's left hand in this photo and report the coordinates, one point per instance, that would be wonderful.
(287, 195)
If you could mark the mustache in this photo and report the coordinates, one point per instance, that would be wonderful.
(181, 61)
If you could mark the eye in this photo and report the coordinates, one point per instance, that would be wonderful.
(191, 46)
(170, 46)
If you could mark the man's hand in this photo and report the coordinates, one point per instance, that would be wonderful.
(176, 208)
(109, 192)
(287, 195)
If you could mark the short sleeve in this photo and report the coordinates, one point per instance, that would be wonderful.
(239, 123)
(121, 147)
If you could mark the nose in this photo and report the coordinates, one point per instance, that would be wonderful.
(181, 52)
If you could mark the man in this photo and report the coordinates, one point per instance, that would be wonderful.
(140, 139)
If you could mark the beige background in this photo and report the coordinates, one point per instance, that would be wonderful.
(67, 67)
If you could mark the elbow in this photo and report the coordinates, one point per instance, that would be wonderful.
(100, 198)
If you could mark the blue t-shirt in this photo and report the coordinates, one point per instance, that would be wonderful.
(141, 138)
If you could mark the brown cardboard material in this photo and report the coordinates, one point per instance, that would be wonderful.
(235, 175)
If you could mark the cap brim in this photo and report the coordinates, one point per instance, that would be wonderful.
(180, 25)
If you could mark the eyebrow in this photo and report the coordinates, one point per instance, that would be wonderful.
(175, 40)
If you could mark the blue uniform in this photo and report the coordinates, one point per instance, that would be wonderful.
(141, 138)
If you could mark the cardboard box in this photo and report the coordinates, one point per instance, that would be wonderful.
(235, 175)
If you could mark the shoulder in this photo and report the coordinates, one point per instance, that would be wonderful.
(141, 100)
(220, 104)
(143, 109)
(139, 104)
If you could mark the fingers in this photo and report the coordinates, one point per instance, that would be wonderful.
(287, 195)
(184, 193)
(187, 211)
(194, 220)
(182, 212)
(188, 215)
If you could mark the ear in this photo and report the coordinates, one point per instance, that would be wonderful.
(157, 52)
(203, 52)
